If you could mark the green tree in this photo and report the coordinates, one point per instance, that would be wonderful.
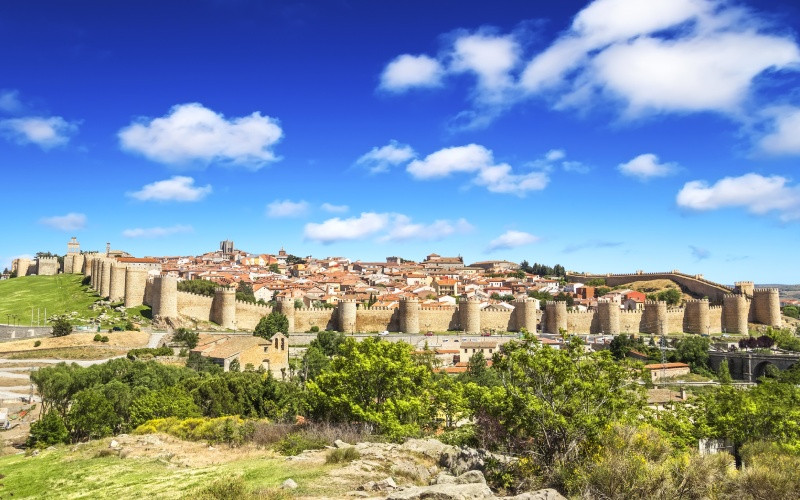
(554, 405)
(167, 402)
(245, 292)
(235, 366)
(273, 268)
(186, 337)
(724, 373)
(48, 430)
(314, 362)
(694, 351)
(671, 296)
(792, 311)
(271, 324)
(329, 341)
(377, 383)
(61, 327)
(91, 416)
(200, 287)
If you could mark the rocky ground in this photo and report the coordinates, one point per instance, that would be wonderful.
(416, 469)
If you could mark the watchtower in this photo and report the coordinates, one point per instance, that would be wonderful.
(223, 308)
(609, 315)
(347, 315)
(286, 307)
(526, 309)
(135, 283)
(116, 287)
(409, 315)
(555, 316)
(655, 317)
(469, 314)
(735, 309)
(767, 307)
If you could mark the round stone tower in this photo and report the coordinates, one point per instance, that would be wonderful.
(609, 315)
(409, 315)
(105, 278)
(347, 315)
(223, 308)
(735, 310)
(135, 283)
(555, 316)
(655, 317)
(167, 305)
(69, 261)
(87, 266)
(697, 316)
(116, 288)
(767, 307)
(526, 310)
(77, 263)
(286, 307)
(469, 314)
(93, 274)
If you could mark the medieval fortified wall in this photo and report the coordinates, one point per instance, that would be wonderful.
(133, 286)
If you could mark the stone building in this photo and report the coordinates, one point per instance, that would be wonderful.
(271, 354)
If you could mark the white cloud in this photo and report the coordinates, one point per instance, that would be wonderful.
(381, 159)
(287, 208)
(353, 228)
(176, 188)
(473, 158)
(9, 101)
(785, 136)
(646, 166)
(69, 222)
(511, 239)
(386, 227)
(403, 229)
(407, 71)
(555, 155)
(194, 133)
(654, 56)
(491, 58)
(444, 162)
(156, 232)
(45, 132)
(756, 193)
(334, 209)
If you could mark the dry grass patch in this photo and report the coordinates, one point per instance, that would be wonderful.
(71, 353)
(127, 340)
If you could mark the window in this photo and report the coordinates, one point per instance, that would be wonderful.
(282, 346)
(266, 348)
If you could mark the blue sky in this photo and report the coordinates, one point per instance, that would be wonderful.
(606, 136)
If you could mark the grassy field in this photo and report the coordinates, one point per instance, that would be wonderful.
(60, 294)
(183, 470)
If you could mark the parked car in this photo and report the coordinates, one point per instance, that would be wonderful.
(384, 333)
(429, 334)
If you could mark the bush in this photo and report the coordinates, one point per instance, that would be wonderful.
(37, 343)
(186, 337)
(268, 433)
(104, 338)
(297, 442)
(49, 430)
(61, 327)
(227, 488)
(314, 329)
(229, 430)
(97, 337)
(342, 455)
(134, 354)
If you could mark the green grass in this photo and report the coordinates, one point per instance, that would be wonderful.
(62, 473)
(60, 294)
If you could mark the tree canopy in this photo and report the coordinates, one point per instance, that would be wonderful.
(271, 324)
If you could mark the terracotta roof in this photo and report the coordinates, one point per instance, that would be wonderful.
(474, 344)
(660, 366)
(137, 260)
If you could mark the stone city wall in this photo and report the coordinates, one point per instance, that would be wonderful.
(377, 319)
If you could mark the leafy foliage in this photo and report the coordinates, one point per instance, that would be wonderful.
(186, 337)
(61, 327)
(271, 324)
(543, 270)
(200, 287)
(48, 430)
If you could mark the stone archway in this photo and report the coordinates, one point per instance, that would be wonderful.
(765, 369)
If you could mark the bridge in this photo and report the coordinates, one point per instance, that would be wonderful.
(693, 283)
(750, 366)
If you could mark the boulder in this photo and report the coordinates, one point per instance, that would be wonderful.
(443, 492)
(545, 494)
(340, 444)
(431, 448)
(471, 477)
(289, 484)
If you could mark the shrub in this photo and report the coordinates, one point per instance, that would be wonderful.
(37, 343)
(49, 430)
(104, 338)
(143, 352)
(187, 337)
(342, 455)
(61, 327)
(229, 430)
(268, 433)
(227, 488)
(297, 442)
(314, 329)
(97, 337)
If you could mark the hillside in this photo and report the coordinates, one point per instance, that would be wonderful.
(25, 301)
(655, 286)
